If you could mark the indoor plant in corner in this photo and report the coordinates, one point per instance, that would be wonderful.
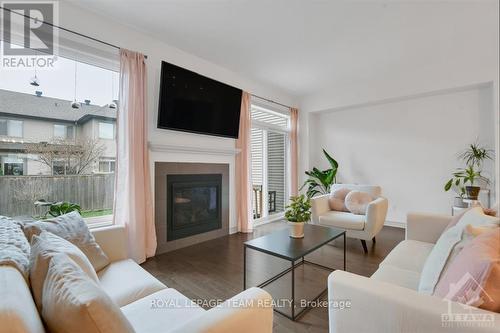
(465, 179)
(298, 213)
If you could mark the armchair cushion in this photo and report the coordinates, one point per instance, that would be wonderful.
(357, 201)
(343, 220)
(337, 199)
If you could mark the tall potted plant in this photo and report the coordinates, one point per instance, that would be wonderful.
(297, 213)
(320, 181)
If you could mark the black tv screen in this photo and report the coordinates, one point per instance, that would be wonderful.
(194, 103)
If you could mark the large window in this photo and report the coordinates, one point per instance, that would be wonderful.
(269, 151)
(64, 132)
(57, 136)
(106, 131)
(11, 128)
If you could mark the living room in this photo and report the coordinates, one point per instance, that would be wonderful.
(254, 166)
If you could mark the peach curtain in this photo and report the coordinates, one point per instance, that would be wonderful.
(243, 173)
(133, 198)
(294, 119)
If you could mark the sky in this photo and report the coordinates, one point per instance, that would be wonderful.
(94, 83)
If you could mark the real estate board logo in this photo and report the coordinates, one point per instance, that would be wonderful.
(29, 34)
(469, 293)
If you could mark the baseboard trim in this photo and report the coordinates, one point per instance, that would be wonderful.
(395, 224)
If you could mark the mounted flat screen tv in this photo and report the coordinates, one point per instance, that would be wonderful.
(194, 103)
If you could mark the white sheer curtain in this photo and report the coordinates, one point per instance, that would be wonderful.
(133, 206)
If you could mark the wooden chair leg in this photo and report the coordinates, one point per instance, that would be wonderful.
(373, 239)
(363, 242)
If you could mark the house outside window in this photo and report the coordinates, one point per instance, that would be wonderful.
(106, 130)
(107, 165)
(48, 148)
(11, 128)
(11, 165)
(65, 132)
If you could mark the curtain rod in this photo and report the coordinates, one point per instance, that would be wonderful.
(68, 30)
(271, 101)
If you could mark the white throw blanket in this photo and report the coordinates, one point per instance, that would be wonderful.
(14, 247)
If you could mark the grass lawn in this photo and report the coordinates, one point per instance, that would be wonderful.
(94, 213)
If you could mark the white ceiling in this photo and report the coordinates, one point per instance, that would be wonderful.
(299, 46)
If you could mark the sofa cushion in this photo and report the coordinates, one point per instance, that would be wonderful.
(449, 245)
(14, 248)
(473, 277)
(125, 282)
(72, 302)
(343, 220)
(43, 248)
(394, 275)
(409, 255)
(73, 228)
(161, 312)
(18, 313)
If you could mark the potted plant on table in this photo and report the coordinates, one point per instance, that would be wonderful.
(298, 213)
(465, 179)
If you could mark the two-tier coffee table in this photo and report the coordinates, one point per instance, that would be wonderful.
(281, 245)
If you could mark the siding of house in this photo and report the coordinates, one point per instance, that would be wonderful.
(276, 166)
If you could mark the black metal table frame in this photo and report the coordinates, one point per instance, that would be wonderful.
(294, 265)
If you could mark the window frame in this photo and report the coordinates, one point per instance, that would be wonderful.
(8, 120)
(66, 127)
(266, 128)
(99, 130)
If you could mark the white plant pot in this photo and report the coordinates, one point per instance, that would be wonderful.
(296, 229)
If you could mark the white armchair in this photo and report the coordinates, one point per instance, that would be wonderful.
(363, 227)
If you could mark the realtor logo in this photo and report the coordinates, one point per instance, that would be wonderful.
(470, 294)
(25, 28)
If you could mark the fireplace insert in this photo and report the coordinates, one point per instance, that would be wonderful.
(193, 204)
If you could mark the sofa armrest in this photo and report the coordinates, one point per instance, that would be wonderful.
(319, 206)
(377, 306)
(249, 311)
(113, 241)
(426, 227)
(376, 212)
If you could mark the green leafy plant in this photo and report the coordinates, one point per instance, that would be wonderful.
(462, 177)
(320, 181)
(299, 209)
(58, 208)
(475, 155)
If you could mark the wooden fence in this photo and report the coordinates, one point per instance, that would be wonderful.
(91, 192)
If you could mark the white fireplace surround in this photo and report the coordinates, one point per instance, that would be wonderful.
(160, 152)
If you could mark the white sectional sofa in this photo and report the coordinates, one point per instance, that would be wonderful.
(389, 302)
(147, 303)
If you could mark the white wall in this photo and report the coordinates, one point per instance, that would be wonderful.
(409, 147)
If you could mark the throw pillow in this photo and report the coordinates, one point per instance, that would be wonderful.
(357, 201)
(73, 302)
(473, 276)
(337, 199)
(43, 248)
(14, 248)
(73, 228)
(449, 245)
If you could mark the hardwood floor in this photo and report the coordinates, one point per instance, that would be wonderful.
(214, 270)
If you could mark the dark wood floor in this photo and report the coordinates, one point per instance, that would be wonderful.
(214, 270)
